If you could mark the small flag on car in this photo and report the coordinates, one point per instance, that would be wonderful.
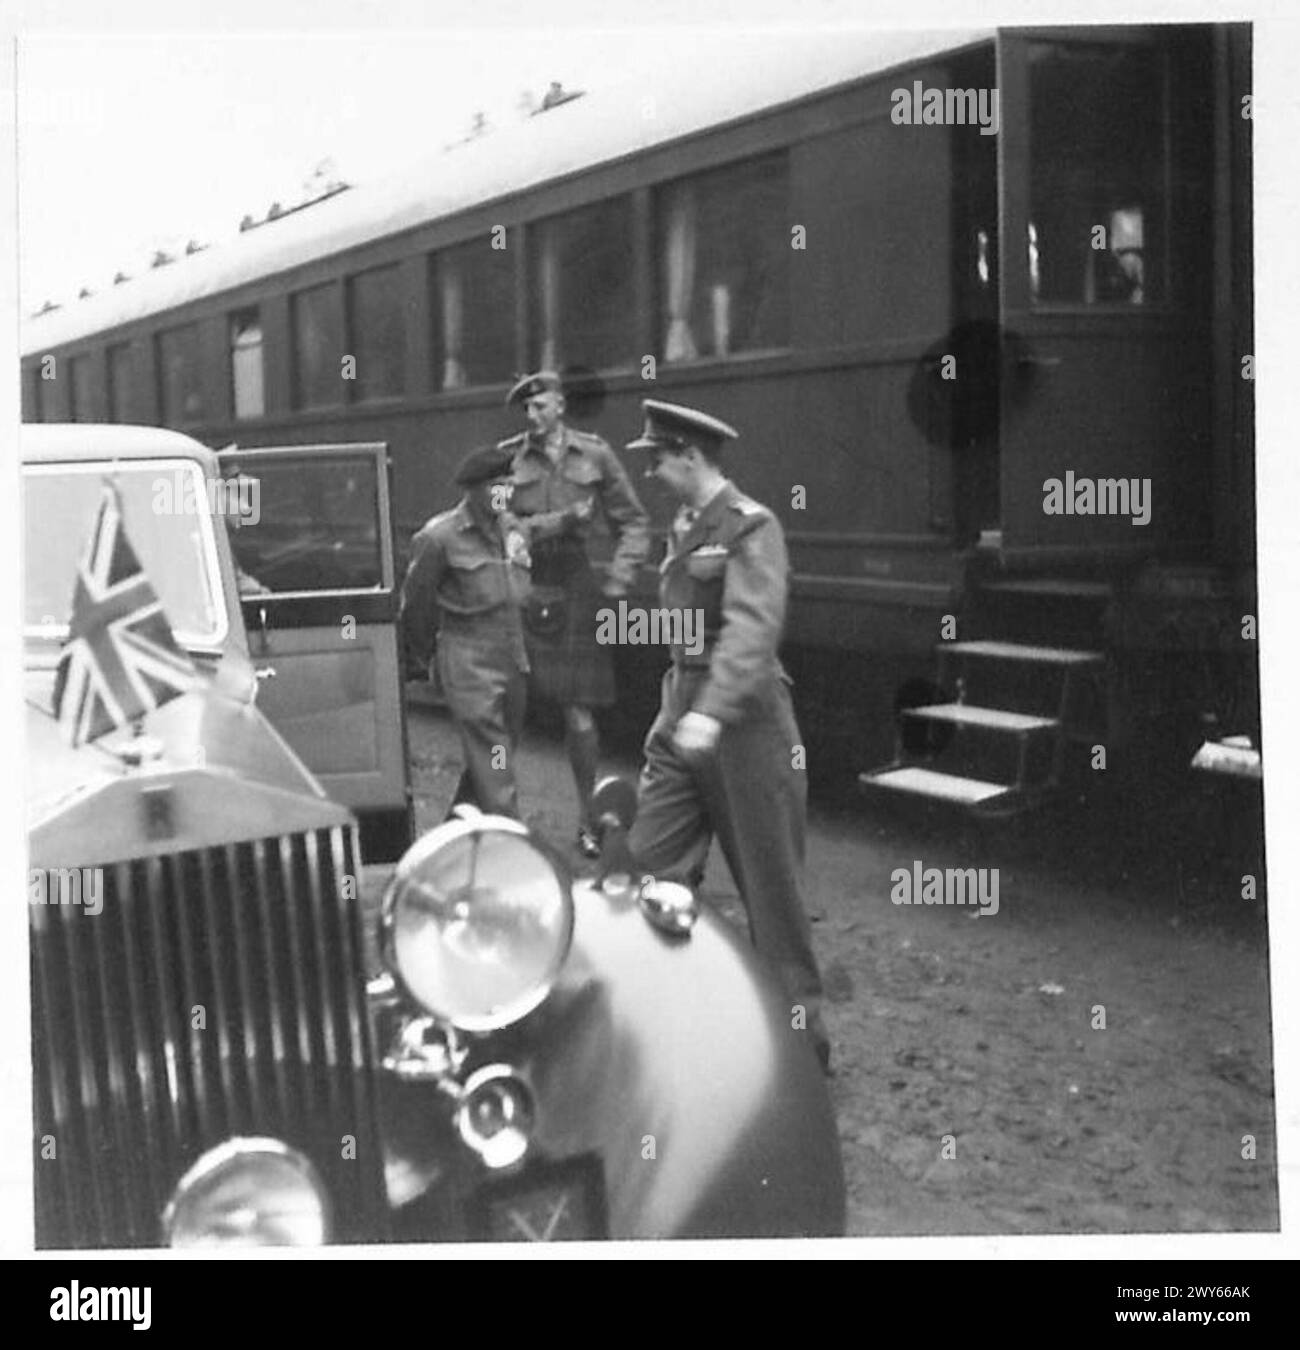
(120, 660)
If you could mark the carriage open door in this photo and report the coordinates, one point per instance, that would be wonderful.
(1106, 241)
(320, 595)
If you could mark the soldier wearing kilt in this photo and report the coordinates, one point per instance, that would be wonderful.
(558, 469)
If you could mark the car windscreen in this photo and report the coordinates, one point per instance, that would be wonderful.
(316, 527)
(165, 515)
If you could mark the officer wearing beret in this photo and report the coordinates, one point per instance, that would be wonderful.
(468, 581)
(719, 758)
(558, 470)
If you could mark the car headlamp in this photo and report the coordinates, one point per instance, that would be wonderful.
(248, 1193)
(477, 922)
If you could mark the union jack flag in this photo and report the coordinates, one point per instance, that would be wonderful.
(120, 660)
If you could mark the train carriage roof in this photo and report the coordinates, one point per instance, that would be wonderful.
(602, 127)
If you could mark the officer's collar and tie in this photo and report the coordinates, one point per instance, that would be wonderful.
(551, 448)
(686, 517)
(690, 525)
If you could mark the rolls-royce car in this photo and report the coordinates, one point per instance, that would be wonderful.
(230, 1049)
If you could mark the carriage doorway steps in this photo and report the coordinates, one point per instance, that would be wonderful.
(996, 743)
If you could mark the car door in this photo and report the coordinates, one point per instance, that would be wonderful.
(313, 545)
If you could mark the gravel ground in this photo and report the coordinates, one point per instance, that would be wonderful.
(1093, 1058)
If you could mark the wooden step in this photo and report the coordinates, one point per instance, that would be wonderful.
(1018, 651)
(971, 714)
(931, 783)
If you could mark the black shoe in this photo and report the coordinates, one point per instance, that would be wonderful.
(588, 843)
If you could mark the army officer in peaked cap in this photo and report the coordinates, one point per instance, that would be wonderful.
(573, 474)
(468, 581)
(720, 757)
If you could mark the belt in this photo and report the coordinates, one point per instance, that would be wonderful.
(499, 622)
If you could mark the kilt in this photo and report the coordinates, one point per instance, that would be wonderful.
(569, 666)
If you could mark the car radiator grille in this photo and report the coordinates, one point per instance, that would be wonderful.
(217, 993)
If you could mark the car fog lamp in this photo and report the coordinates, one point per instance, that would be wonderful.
(248, 1193)
(477, 922)
(495, 1115)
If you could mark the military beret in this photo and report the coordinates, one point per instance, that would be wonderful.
(484, 464)
(669, 426)
(539, 382)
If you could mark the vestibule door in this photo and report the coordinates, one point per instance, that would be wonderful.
(1105, 183)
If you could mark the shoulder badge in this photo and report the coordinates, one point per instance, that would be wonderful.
(750, 516)
(435, 525)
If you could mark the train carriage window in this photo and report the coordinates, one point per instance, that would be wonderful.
(1098, 174)
(475, 308)
(78, 388)
(247, 379)
(582, 288)
(32, 392)
(317, 346)
(377, 310)
(179, 376)
(121, 377)
(723, 249)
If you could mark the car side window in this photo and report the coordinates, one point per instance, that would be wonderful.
(315, 526)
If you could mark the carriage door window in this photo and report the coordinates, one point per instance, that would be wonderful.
(1098, 189)
(246, 363)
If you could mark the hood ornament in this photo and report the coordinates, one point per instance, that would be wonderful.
(669, 906)
(141, 749)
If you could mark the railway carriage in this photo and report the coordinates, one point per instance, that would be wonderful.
(978, 301)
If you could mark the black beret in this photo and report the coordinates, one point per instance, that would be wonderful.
(539, 382)
(484, 464)
(670, 426)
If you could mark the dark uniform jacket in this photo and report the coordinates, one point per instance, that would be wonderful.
(471, 581)
(730, 562)
(587, 470)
